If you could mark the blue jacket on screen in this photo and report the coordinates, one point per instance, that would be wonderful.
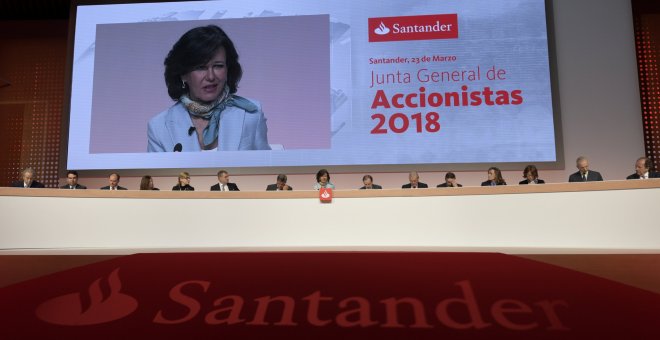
(239, 130)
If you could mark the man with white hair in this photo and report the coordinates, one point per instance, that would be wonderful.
(584, 174)
(27, 180)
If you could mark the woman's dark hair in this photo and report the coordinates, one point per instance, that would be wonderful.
(196, 47)
(321, 173)
(450, 175)
(144, 183)
(531, 169)
(498, 176)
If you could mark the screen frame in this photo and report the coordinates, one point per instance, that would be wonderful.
(558, 164)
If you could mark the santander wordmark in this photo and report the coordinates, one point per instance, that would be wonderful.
(325, 295)
(416, 27)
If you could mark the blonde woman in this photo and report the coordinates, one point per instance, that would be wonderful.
(183, 183)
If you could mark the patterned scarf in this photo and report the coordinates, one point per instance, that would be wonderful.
(210, 112)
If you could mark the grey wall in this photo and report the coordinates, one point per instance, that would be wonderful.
(598, 85)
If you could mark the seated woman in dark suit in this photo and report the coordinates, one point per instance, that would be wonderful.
(494, 178)
(147, 183)
(183, 183)
(531, 175)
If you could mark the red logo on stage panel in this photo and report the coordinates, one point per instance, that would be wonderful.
(325, 195)
(416, 27)
(350, 295)
(68, 309)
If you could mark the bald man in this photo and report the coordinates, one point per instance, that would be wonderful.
(643, 167)
(413, 177)
(113, 182)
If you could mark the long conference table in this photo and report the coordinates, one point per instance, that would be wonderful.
(594, 217)
(592, 247)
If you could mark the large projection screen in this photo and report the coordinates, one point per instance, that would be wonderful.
(340, 83)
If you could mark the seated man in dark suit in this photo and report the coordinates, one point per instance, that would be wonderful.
(450, 181)
(72, 181)
(280, 184)
(27, 180)
(368, 182)
(413, 177)
(643, 168)
(223, 182)
(113, 179)
(584, 174)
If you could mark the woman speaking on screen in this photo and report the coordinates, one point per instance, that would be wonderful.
(202, 74)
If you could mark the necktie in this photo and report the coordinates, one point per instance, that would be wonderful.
(584, 177)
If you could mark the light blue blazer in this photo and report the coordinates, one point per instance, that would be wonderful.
(239, 130)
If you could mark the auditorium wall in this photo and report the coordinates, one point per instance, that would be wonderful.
(596, 73)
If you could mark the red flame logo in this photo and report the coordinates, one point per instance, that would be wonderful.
(76, 310)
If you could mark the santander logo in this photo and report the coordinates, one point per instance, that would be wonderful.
(382, 29)
(414, 27)
(359, 295)
(325, 195)
(68, 310)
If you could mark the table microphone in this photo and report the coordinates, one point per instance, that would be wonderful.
(178, 147)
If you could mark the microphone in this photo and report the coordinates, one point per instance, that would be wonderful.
(178, 147)
(191, 130)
